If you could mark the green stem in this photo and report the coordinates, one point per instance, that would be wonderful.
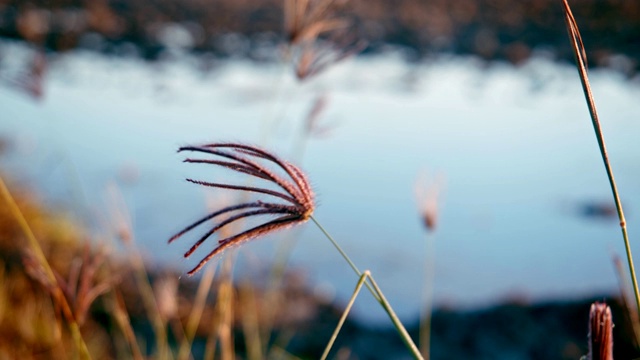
(345, 256)
(361, 282)
(578, 50)
(378, 295)
(396, 322)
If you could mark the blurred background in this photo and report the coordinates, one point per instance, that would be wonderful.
(468, 112)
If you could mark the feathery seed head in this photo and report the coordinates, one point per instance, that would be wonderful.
(292, 202)
(305, 20)
(428, 197)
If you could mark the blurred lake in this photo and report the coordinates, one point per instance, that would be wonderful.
(524, 185)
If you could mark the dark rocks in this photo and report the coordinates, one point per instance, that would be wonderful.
(490, 29)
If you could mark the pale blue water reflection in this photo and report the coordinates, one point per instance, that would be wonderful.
(516, 147)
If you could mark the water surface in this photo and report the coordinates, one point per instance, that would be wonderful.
(515, 146)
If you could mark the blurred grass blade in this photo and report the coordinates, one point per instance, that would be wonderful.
(35, 247)
(196, 312)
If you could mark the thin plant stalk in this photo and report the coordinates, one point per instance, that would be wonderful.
(151, 306)
(39, 254)
(212, 341)
(284, 249)
(283, 253)
(343, 318)
(141, 275)
(276, 350)
(196, 312)
(396, 321)
(225, 311)
(345, 256)
(425, 319)
(581, 62)
(378, 295)
(631, 312)
(280, 353)
(122, 318)
(270, 116)
(250, 322)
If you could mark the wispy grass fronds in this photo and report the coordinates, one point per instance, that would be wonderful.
(317, 36)
(292, 202)
(600, 332)
(312, 123)
(32, 80)
(581, 62)
(83, 285)
(312, 58)
(305, 20)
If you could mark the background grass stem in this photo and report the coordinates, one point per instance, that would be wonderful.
(429, 279)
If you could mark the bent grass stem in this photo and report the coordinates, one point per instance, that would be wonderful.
(361, 281)
(581, 62)
(377, 294)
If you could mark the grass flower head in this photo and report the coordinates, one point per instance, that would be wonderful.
(291, 200)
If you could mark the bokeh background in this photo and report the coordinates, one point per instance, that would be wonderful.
(474, 103)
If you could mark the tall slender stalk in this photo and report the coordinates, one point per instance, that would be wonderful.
(345, 256)
(581, 62)
(377, 294)
(39, 254)
(427, 310)
(196, 313)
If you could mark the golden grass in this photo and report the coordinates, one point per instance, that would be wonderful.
(113, 322)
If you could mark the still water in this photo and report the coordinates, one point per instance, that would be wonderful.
(513, 148)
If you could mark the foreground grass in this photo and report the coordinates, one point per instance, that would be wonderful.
(111, 306)
(117, 326)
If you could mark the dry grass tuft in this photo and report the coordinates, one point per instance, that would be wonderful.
(600, 332)
(317, 36)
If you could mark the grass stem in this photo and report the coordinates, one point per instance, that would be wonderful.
(196, 313)
(345, 256)
(378, 295)
(581, 62)
(39, 254)
(361, 281)
(427, 310)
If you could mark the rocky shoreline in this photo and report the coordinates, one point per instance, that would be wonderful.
(490, 29)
